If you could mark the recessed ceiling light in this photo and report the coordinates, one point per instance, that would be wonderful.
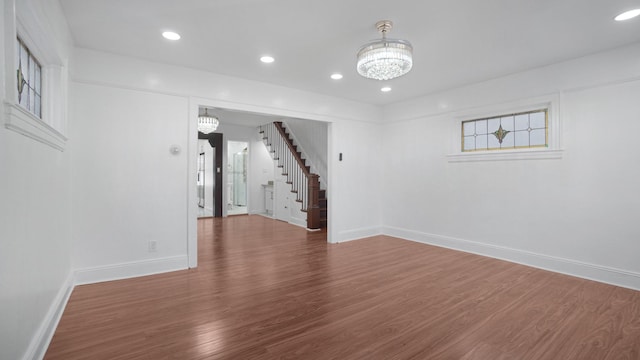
(336, 76)
(170, 35)
(385, 89)
(627, 15)
(267, 59)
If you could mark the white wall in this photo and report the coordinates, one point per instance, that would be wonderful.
(234, 147)
(232, 132)
(35, 221)
(285, 206)
(212, 90)
(311, 139)
(576, 214)
(261, 170)
(35, 261)
(128, 188)
(217, 90)
(356, 181)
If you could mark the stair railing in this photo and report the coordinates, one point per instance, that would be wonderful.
(304, 184)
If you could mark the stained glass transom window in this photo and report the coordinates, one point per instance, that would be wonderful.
(513, 131)
(29, 80)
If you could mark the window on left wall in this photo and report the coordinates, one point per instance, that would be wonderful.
(36, 77)
(28, 80)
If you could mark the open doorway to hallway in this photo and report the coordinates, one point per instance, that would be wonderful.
(237, 172)
(206, 179)
(250, 177)
(209, 175)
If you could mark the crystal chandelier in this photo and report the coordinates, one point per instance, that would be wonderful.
(385, 59)
(207, 123)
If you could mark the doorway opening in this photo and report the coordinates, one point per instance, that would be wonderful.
(205, 209)
(237, 157)
(257, 183)
(209, 175)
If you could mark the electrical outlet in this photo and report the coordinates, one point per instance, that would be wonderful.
(153, 246)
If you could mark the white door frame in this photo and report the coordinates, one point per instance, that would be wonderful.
(192, 153)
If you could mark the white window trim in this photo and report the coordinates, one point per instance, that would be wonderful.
(49, 129)
(553, 151)
(23, 122)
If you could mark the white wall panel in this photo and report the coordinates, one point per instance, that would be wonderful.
(619, 65)
(224, 91)
(574, 214)
(355, 182)
(262, 171)
(35, 213)
(128, 188)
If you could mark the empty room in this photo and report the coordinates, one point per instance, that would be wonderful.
(239, 179)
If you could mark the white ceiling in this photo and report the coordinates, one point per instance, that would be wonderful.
(456, 42)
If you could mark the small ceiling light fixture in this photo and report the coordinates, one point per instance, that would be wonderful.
(267, 59)
(336, 76)
(170, 35)
(207, 123)
(385, 89)
(627, 15)
(385, 59)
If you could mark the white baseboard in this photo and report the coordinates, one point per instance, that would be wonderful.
(580, 269)
(268, 216)
(298, 222)
(357, 234)
(293, 220)
(40, 341)
(130, 270)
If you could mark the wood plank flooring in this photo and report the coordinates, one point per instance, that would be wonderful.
(268, 290)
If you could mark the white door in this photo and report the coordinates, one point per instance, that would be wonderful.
(281, 200)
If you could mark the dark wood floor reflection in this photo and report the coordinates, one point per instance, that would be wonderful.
(268, 290)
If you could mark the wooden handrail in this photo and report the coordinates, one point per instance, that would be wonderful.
(292, 147)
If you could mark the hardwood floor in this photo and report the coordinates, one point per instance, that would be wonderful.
(268, 290)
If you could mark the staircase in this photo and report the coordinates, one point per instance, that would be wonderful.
(322, 199)
(304, 184)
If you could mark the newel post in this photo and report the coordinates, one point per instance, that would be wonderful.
(313, 211)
